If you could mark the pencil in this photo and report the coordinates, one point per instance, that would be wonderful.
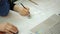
(23, 5)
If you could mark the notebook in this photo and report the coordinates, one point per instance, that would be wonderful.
(49, 26)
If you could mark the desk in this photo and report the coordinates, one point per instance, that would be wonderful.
(24, 24)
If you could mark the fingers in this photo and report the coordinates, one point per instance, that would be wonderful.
(11, 28)
(24, 12)
(8, 32)
(27, 8)
(5, 32)
(8, 28)
(27, 13)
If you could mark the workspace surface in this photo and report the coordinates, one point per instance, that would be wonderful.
(38, 14)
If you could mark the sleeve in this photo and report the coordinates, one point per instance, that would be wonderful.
(11, 2)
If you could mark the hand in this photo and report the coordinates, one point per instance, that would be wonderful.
(8, 28)
(22, 11)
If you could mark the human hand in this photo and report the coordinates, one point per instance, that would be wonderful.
(7, 28)
(22, 11)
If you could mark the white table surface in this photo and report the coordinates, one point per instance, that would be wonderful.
(38, 14)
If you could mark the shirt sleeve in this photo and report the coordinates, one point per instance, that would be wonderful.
(11, 2)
